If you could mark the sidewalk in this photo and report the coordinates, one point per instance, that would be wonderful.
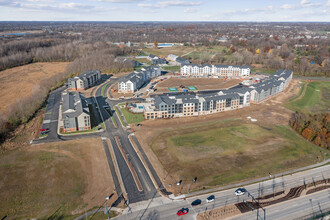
(254, 180)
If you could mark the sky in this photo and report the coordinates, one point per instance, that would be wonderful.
(165, 10)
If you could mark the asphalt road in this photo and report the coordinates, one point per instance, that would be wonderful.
(226, 197)
(296, 208)
(51, 115)
(134, 195)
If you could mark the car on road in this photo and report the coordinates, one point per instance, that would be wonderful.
(240, 191)
(196, 202)
(210, 198)
(182, 211)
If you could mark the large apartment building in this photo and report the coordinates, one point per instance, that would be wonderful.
(75, 112)
(182, 105)
(207, 70)
(84, 80)
(271, 87)
(192, 104)
(135, 80)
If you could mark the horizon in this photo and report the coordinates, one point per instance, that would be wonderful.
(166, 10)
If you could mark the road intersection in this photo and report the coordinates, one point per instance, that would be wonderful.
(152, 202)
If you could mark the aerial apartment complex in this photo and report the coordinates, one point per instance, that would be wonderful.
(207, 70)
(84, 80)
(191, 104)
(75, 112)
(135, 80)
(272, 86)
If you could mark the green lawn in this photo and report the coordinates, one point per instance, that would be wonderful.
(171, 68)
(39, 184)
(232, 151)
(315, 98)
(262, 70)
(131, 117)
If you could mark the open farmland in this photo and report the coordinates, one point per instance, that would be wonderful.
(63, 178)
(231, 151)
(199, 83)
(19, 82)
(314, 98)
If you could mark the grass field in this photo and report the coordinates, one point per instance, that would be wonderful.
(261, 70)
(20, 81)
(231, 151)
(131, 117)
(171, 68)
(314, 97)
(54, 179)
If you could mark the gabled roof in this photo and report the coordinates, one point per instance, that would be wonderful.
(74, 104)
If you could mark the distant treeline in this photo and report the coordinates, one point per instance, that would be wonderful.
(89, 55)
(263, 45)
(313, 127)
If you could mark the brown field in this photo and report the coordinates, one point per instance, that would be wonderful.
(271, 128)
(199, 83)
(19, 82)
(71, 177)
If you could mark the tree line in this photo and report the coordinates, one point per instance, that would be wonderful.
(313, 127)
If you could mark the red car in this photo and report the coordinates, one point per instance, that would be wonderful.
(44, 129)
(182, 211)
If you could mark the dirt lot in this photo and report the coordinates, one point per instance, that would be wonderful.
(269, 113)
(71, 177)
(20, 81)
(199, 83)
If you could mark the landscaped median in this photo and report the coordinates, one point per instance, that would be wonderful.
(103, 89)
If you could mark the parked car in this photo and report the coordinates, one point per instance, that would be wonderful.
(210, 198)
(44, 129)
(196, 202)
(138, 125)
(179, 183)
(240, 191)
(182, 211)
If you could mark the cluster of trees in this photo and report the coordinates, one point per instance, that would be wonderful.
(313, 127)
(104, 60)
(25, 108)
(16, 52)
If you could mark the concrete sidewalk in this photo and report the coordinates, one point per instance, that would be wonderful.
(254, 180)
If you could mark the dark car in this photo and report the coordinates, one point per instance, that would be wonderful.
(240, 191)
(210, 198)
(182, 211)
(196, 202)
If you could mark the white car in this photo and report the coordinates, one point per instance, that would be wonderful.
(240, 191)
(210, 198)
